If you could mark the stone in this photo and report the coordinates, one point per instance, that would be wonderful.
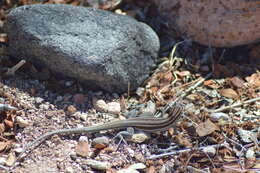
(149, 108)
(246, 136)
(137, 166)
(69, 170)
(216, 116)
(100, 105)
(21, 122)
(18, 150)
(139, 137)
(220, 23)
(211, 151)
(127, 171)
(250, 154)
(100, 142)
(82, 148)
(39, 100)
(71, 110)
(113, 107)
(10, 159)
(83, 116)
(99, 165)
(101, 49)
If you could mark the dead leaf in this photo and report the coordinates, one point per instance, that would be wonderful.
(183, 73)
(229, 93)
(257, 166)
(183, 141)
(236, 82)
(2, 128)
(9, 124)
(82, 148)
(254, 79)
(167, 78)
(206, 128)
(151, 169)
(211, 83)
(10, 159)
(171, 131)
(3, 146)
(249, 163)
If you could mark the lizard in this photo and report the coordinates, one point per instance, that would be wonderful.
(141, 123)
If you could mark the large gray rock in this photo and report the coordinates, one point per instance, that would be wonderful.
(101, 49)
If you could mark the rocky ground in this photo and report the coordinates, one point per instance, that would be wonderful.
(218, 132)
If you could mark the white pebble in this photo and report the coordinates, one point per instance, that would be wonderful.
(99, 165)
(2, 160)
(69, 170)
(250, 154)
(21, 122)
(219, 115)
(113, 108)
(211, 151)
(18, 150)
(100, 105)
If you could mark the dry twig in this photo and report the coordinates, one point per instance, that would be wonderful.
(185, 150)
(11, 71)
(236, 105)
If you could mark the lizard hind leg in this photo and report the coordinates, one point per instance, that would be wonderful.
(126, 133)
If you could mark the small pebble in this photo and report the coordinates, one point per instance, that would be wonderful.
(139, 138)
(69, 170)
(246, 136)
(83, 138)
(140, 91)
(38, 100)
(82, 148)
(2, 160)
(44, 106)
(211, 151)
(71, 109)
(100, 142)
(149, 108)
(99, 165)
(100, 105)
(80, 125)
(84, 116)
(140, 157)
(137, 166)
(2, 100)
(21, 122)
(130, 151)
(18, 150)
(113, 108)
(10, 159)
(127, 171)
(215, 117)
(73, 157)
(250, 154)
